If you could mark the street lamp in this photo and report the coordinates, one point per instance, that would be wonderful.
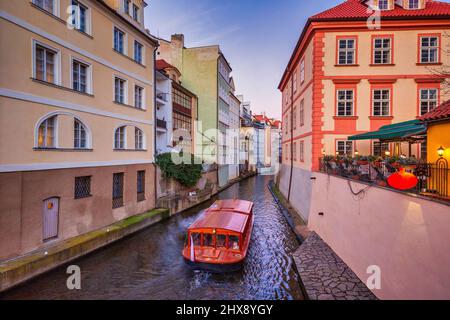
(441, 151)
(356, 153)
(387, 153)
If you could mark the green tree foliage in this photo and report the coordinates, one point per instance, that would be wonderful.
(188, 174)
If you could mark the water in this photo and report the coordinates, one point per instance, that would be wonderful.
(149, 265)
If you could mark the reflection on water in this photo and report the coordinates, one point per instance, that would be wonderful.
(149, 265)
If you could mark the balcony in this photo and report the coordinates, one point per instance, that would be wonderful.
(161, 98)
(432, 177)
(161, 125)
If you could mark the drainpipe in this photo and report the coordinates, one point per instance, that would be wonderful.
(292, 137)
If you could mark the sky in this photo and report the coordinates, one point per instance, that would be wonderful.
(256, 36)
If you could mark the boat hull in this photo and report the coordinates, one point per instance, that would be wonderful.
(214, 268)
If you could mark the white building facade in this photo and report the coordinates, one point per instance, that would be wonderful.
(164, 124)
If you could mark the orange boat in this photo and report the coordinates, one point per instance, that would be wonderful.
(218, 240)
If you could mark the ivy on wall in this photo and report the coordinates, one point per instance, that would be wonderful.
(187, 174)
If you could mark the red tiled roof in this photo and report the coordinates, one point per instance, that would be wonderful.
(440, 113)
(163, 64)
(357, 9)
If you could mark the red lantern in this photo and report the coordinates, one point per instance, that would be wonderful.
(403, 180)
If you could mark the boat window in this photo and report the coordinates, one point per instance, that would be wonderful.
(208, 240)
(233, 242)
(221, 241)
(196, 237)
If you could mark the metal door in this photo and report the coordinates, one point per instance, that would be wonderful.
(50, 218)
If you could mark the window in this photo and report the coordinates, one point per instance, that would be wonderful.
(302, 71)
(413, 4)
(383, 4)
(138, 97)
(379, 148)
(221, 241)
(135, 12)
(347, 51)
(345, 102)
(45, 64)
(181, 99)
(344, 147)
(46, 134)
(429, 49)
(294, 151)
(196, 239)
(47, 5)
(117, 194)
(208, 240)
(138, 139)
(119, 138)
(295, 81)
(141, 185)
(302, 151)
(294, 117)
(79, 76)
(287, 125)
(381, 102)
(126, 6)
(233, 242)
(119, 90)
(80, 135)
(382, 50)
(119, 40)
(423, 150)
(428, 100)
(79, 16)
(138, 52)
(302, 113)
(181, 122)
(82, 187)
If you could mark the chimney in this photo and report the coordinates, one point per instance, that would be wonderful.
(178, 40)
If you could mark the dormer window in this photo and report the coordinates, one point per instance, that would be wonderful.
(135, 12)
(383, 4)
(413, 4)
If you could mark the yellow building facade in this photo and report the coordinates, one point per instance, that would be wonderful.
(76, 119)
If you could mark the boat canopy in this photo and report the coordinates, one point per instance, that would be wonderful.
(394, 132)
(235, 205)
(231, 221)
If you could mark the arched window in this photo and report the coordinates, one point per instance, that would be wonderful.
(80, 135)
(138, 139)
(119, 138)
(46, 134)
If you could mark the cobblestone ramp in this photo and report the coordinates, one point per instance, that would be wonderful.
(325, 276)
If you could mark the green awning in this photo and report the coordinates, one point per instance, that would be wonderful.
(397, 131)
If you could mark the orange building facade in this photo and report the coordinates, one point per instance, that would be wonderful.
(350, 75)
(76, 115)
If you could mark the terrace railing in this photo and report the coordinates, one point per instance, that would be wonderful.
(433, 178)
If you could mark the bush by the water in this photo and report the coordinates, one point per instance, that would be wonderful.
(188, 174)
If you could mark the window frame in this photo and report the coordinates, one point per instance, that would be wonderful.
(438, 36)
(115, 197)
(391, 49)
(88, 21)
(78, 136)
(428, 100)
(337, 141)
(302, 151)
(387, 5)
(382, 150)
(302, 71)
(140, 182)
(353, 100)
(89, 194)
(88, 74)
(122, 136)
(390, 100)
(56, 5)
(135, 12)
(125, 40)
(302, 112)
(409, 4)
(339, 50)
(142, 53)
(142, 97)
(56, 63)
(55, 132)
(125, 89)
(139, 144)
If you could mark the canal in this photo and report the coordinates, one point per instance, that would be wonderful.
(149, 265)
